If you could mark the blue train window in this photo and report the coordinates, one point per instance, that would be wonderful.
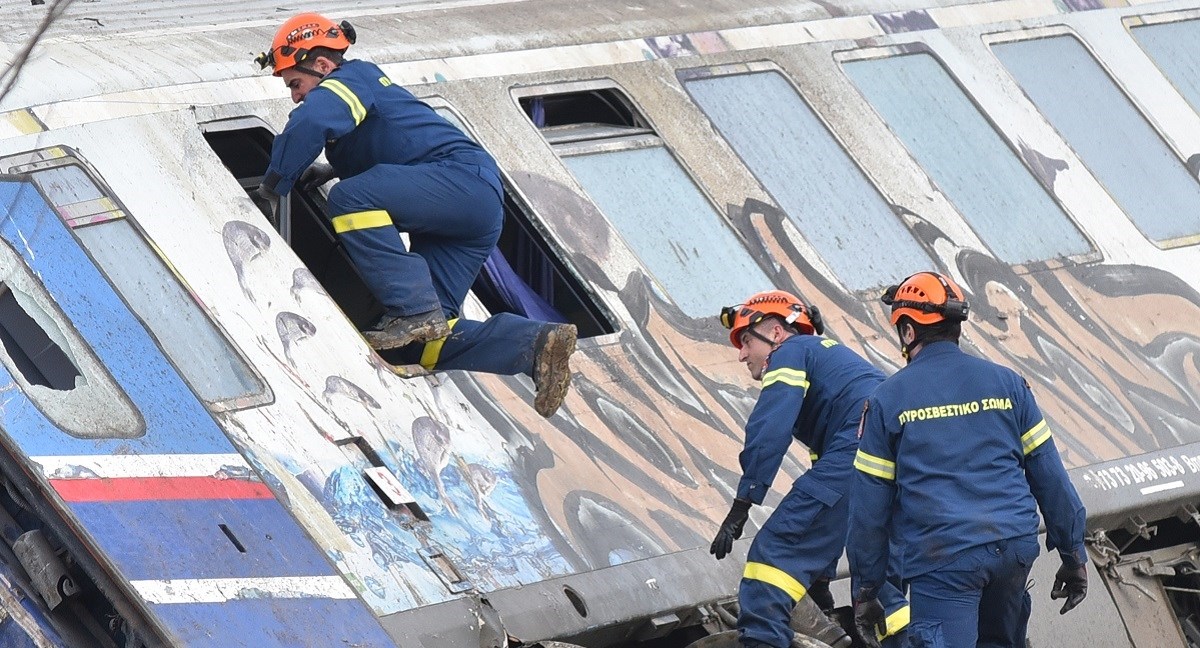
(648, 196)
(48, 359)
(1146, 178)
(967, 159)
(816, 182)
(161, 299)
(1172, 47)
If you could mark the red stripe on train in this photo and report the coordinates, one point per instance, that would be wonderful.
(158, 488)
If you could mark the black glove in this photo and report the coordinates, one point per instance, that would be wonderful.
(820, 594)
(731, 528)
(869, 621)
(267, 201)
(1070, 583)
(315, 176)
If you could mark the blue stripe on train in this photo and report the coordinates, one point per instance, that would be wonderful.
(198, 548)
(176, 423)
(264, 623)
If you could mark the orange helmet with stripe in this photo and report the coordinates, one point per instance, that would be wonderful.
(928, 298)
(785, 305)
(297, 37)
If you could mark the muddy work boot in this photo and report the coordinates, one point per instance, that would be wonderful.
(808, 620)
(392, 332)
(552, 367)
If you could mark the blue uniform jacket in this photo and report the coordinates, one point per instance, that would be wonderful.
(813, 389)
(954, 454)
(363, 119)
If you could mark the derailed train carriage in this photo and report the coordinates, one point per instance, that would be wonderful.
(199, 448)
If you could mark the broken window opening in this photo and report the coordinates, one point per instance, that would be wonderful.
(585, 115)
(156, 295)
(36, 352)
(74, 391)
(559, 295)
(304, 223)
(524, 275)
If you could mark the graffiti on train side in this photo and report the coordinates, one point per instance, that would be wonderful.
(643, 455)
(1109, 349)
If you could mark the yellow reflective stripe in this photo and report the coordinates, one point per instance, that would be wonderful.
(774, 576)
(356, 108)
(876, 466)
(894, 623)
(793, 377)
(1035, 437)
(433, 350)
(812, 456)
(361, 220)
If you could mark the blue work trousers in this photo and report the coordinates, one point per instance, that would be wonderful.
(800, 543)
(453, 214)
(979, 599)
(796, 546)
(503, 344)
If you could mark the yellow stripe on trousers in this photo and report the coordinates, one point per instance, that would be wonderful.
(775, 576)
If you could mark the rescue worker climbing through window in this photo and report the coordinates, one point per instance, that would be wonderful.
(404, 168)
(954, 461)
(813, 389)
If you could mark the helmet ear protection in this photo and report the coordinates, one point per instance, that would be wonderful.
(297, 37)
(777, 303)
(347, 30)
(814, 316)
(952, 308)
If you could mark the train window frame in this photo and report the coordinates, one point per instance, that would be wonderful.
(32, 162)
(97, 406)
(519, 211)
(596, 319)
(1134, 22)
(686, 75)
(991, 39)
(623, 139)
(843, 56)
(348, 290)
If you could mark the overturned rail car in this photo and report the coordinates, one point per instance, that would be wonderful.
(198, 448)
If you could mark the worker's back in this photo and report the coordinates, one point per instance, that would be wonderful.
(955, 423)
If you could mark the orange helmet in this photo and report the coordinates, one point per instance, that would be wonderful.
(806, 319)
(928, 298)
(299, 35)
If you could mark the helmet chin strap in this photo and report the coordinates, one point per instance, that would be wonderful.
(906, 348)
(309, 71)
(763, 338)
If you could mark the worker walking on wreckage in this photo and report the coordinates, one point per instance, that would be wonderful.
(405, 168)
(813, 389)
(954, 461)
